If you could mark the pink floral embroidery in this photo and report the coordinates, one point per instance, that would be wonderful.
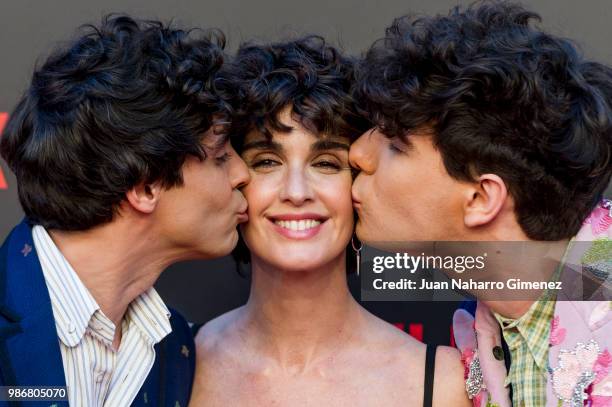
(599, 314)
(557, 334)
(602, 366)
(575, 372)
(600, 220)
(600, 401)
(467, 355)
(600, 392)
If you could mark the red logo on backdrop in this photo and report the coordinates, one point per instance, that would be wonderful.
(3, 119)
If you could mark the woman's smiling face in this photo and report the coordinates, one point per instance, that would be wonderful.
(300, 208)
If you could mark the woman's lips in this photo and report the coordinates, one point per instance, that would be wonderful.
(297, 226)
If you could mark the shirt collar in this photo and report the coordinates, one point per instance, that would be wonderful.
(150, 315)
(75, 309)
(533, 328)
(72, 303)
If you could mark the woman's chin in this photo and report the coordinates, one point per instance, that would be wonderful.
(299, 264)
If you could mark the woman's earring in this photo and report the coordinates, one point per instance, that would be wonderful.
(357, 252)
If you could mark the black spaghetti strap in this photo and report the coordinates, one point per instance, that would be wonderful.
(430, 367)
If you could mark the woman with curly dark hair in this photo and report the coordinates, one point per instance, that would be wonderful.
(302, 339)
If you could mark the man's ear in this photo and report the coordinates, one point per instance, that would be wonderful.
(144, 197)
(485, 199)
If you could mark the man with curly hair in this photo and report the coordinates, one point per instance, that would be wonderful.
(122, 170)
(487, 128)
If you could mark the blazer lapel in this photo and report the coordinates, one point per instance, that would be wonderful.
(29, 346)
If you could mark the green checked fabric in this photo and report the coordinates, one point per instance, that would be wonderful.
(527, 338)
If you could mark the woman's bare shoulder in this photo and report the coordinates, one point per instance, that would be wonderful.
(409, 356)
(216, 335)
(215, 356)
(449, 385)
(393, 337)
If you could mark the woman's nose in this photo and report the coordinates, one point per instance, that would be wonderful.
(297, 187)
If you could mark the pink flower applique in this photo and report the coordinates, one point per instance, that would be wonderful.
(600, 392)
(599, 314)
(600, 220)
(575, 373)
(467, 355)
(557, 334)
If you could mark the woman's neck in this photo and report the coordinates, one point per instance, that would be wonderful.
(293, 316)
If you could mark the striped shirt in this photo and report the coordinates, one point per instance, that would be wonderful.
(96, 374)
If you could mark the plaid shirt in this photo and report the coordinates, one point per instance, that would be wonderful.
(527, 338)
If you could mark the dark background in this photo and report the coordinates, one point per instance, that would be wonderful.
(202, 290)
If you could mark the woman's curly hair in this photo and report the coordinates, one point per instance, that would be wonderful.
(308, 74)
(503, 97)
(124, 103)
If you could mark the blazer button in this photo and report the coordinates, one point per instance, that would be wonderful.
(498, 352)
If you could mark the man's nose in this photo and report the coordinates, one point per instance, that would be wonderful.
(362, 155)
(240, 175)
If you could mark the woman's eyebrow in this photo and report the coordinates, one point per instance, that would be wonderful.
(323, 145)
(263, 145)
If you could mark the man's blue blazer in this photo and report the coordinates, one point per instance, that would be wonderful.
(29, 346)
